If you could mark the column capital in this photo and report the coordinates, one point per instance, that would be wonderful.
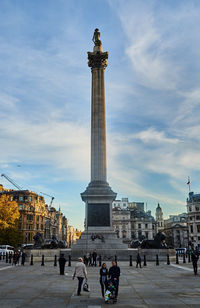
(97, 59)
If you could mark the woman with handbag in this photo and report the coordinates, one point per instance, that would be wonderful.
(103, 278)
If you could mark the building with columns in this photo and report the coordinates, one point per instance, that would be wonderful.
(131, 222)
(193, 211)
(176, 231)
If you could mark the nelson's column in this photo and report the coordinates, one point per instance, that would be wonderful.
(98, 196)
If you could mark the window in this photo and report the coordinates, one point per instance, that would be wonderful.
(190, 218)
(146, 226)
(197, 217)
(37, 226)
(190, 209)
(191, 229)
(29, 217)
(30, 198)
(196, 208)
(21, 198)
(153, 227)
(20, 206)
(41, 227)
(38, 218)
(198, 238)
(139, 226)
(146, 234)
(198, 228)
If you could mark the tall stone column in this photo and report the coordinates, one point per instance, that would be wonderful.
(98, 62)
(98, 195)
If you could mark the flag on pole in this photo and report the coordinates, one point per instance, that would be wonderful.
(188, 183)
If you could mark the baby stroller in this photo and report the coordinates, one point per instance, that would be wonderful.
(109, 296)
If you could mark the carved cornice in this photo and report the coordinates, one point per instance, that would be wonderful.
(97, 59)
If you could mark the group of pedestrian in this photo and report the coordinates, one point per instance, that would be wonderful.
(16, 257)
(90, 259)
(106, 276)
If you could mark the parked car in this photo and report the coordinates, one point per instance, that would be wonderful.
(27, 246)
(6, 249)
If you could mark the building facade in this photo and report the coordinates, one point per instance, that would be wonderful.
(131, 222)
(193, 211)
(176, 231)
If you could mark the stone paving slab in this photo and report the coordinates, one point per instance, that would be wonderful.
(152, 286)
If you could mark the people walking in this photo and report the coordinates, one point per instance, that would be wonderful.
(138, 260)
(62, 262)
(114, 273)
(195, 257)
(94, 258)
(80, 272)
(103, 278)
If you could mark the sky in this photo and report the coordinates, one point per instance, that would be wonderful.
(152, 87)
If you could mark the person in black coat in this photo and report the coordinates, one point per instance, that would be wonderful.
(195, 257)
(94, 258)
(62, 262)
(23, 258)
(138, 260)
(103, 278)
(114, 273)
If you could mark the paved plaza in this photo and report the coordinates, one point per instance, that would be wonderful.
(152, 286)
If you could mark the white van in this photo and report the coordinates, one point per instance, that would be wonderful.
(6, 249)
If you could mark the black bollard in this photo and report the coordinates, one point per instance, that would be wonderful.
(184, 258)
(10, 258)
(145, 262)
(55, 260)
(99, 260)
(189, 257)
(168, 260)
(130, 263)
(42, 264)
(177, 261)
(0, 256)
(69, 262)
(115, 258)
(157, 260)
(6, 257)
(31, 260)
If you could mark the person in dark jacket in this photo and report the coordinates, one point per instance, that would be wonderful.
(195, 257)
(62, 262)
(114, 273)
(94, 258)
(23, 258)
(138, 260)
(103, 278)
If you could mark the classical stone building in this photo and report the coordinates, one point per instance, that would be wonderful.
(193, 211)
(131, 222)
(36, 216)
(176, 231)
(159, 219)
(33, 212)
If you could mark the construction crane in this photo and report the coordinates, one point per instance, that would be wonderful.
(11, 181)
(52, 198)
